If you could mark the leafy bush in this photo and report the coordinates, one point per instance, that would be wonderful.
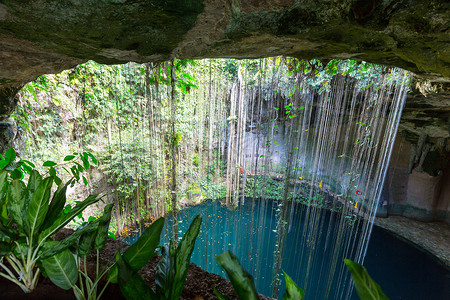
(29, 221)
(171, 270)
(213, 190)
(264, 187)
(64, 269)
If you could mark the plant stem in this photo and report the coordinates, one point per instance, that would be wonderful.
(79, 276)
(104, 288)
(13, 279)
(88, 280)
(16, 266)
(22, 254)
(96, 274)
(35, 279)
(7, 270)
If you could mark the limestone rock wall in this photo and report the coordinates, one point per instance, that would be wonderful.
(418, 180)
(47, 36)
(8, 128)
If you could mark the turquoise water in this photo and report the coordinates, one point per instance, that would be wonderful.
(403, 271)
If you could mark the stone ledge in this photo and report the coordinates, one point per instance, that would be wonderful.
(433, 237)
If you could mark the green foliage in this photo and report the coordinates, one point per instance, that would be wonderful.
(293, 292)
(96, 239)
(264, 186)
(132, 286)
(241, 280)
(64, 268)
(176, 138)
(29, 242)
(138, 254)
(230, 68)
(171, 270)
(184, 78)
(16, 169)
(213, 190)
(106, 110)
(366, 287)
(195, 161)
(243, 283)
(61, 268)
(165, 271)
(125, 168)
(194, 191)
(182, 258)
(320, 73)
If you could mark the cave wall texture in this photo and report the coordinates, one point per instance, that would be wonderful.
(48, 36)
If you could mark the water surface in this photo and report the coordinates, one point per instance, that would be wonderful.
(402, 270)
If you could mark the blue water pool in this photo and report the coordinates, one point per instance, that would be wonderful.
(403, 271)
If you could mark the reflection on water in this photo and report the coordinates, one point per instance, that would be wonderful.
(403, 271)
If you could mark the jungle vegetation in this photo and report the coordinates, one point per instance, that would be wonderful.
(158, 129)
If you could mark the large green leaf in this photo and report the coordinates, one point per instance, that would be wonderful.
(102, 232)
(10, 155)
(165, 271)
(138, 254)
(61, 269)
(3, 213)
(49, 163)
(56, 206)
(38, 207)
(97, 238)
(85, 242)
(3, 189)
(366, 287)
(3, 163)
(15, 201)
(65, 219)
(70, 240)
(293, 292)
(183, 255)
(132, 286)
(33, 182)
(241, 280)
(3, 182)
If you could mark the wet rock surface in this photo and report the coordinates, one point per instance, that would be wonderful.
(433, 237)
(47, 36)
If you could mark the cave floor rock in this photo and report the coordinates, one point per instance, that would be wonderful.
(432, 237)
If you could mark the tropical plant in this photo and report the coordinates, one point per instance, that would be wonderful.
(243, 283)
(170, 273)
(365, 286)
(64, 269)
(29, 221)
(138, 254)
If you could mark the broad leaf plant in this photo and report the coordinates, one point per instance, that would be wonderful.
(31, 215)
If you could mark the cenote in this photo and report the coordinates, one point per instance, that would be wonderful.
(400, 268)
(290, 127)
(299, 152)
